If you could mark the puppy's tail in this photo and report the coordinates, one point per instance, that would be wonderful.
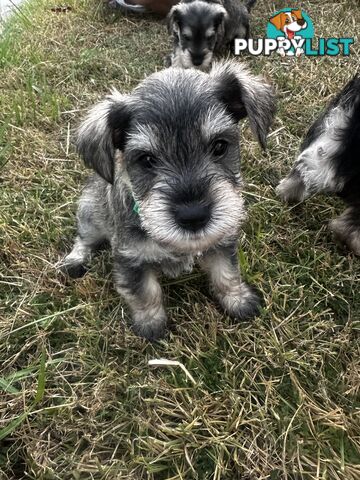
(249, 4)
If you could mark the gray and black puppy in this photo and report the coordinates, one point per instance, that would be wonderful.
(167, 187)
(202, 28)
(329, 162)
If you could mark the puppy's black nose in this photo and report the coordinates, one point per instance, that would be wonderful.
(192, 216)
(197, 59)
(301, 22)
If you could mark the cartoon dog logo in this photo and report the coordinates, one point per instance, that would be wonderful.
(289, 23)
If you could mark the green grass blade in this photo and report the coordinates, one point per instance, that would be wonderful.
(7, 387)
(12, 426)
(41, 380)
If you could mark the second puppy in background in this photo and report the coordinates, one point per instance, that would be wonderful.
(200, 28)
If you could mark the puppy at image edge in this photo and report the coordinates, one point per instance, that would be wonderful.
(329, 162)
(167, 187)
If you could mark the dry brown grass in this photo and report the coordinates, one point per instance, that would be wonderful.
(277, 398)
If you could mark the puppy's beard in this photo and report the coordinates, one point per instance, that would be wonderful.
(226, 216)
(206, 62)
(182, 58)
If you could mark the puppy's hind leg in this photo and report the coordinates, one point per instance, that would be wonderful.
(91, 233)
(139, 286)
(346, 228)
(237, 298)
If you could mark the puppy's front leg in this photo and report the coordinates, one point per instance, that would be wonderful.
(292, 188)
(346, 228)
(138, 284)
(236, 297)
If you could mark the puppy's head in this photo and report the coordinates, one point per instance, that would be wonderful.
(196, 25)
(174, 142)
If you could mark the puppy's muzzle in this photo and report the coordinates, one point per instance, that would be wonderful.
(197, 59)
(193, 216)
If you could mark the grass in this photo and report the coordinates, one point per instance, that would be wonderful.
(277, 398)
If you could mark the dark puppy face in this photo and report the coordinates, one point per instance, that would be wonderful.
(178, 145)
(196, 25)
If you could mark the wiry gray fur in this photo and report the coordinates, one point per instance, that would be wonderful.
(171, 148)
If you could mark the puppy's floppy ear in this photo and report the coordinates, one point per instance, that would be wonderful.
(102, 132)
(220, 17)
(244, 94)
(174, 19)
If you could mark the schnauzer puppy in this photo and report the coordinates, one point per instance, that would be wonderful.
(200, 28)
(167, 187)
(329, 161)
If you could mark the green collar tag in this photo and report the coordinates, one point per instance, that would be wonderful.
(136, 207)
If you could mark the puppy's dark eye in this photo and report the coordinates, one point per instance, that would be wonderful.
(219, 147)
(147, 161)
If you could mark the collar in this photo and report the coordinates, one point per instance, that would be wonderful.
(136, 206)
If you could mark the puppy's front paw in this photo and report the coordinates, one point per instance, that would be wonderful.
(168, 61)
(292, 189)
(151, 328)
(346, 233)
(242, 303)
(72, 269)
